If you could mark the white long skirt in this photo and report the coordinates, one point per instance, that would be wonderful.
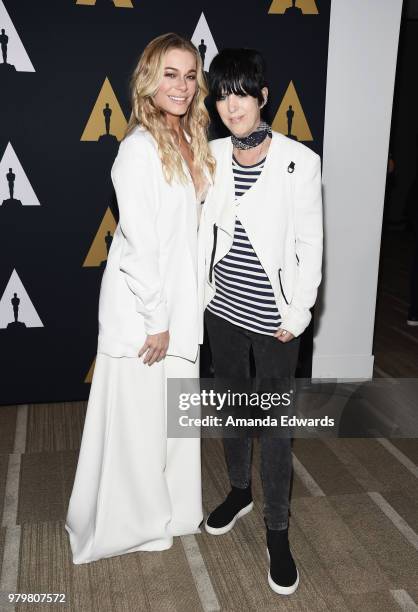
(134, 488)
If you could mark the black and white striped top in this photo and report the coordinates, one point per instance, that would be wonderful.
(245, 176)
(244, 295)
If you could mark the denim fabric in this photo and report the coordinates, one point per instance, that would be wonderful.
(274, 362)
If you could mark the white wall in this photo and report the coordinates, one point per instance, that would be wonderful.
(362, 55)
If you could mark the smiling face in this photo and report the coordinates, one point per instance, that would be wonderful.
(178, 86)
(240, 114)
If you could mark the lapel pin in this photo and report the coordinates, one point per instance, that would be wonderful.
(291, 167)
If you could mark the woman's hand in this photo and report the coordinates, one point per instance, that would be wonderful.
(283, 335)
(155, 347)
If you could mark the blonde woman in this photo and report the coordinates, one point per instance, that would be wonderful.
(135, 488)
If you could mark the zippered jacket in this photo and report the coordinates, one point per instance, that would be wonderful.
(282, 215)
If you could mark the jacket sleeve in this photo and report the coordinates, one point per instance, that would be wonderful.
(135, 182)
(308, 244)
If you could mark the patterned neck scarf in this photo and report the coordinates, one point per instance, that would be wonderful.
(253, 139)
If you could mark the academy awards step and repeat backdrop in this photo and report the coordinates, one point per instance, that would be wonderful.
(64, 103)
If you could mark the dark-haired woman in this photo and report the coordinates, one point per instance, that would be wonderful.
(261, 253)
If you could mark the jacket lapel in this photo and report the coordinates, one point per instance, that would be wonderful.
(258, 206)
(264, 209)
(224, 191)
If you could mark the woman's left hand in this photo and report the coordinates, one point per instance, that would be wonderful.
(283, 335)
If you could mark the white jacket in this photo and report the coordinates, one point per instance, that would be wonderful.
(282, 215)
(150, 281)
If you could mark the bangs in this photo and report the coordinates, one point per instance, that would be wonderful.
(237, 71)
(237, 85)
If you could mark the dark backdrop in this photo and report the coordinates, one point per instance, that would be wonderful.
(73, 48)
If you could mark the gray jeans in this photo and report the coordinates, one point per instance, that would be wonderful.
(275, 364)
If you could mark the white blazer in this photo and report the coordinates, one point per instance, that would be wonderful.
(282, 215)
(150, 281)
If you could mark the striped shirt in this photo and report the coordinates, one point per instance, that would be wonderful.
(244, 295)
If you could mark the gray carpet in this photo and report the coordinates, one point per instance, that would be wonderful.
(353, 531)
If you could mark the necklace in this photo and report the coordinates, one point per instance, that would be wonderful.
(254, 139)
(262, 153)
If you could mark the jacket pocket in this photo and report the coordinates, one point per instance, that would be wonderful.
(212, 258)
(281, 287)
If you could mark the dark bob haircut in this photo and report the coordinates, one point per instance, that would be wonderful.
(237, 71)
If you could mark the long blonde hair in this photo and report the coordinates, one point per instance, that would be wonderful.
(145, 81)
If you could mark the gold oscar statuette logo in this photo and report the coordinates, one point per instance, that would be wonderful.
(290, 119)
(293, 7)
(97, 255)
(107, 121)
(116, 3)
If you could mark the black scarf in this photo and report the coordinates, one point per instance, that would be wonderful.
(253, 139)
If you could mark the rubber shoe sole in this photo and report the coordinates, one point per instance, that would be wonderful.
(229, 526)
(282, 590)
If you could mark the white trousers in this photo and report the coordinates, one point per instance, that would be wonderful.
(134, 488)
